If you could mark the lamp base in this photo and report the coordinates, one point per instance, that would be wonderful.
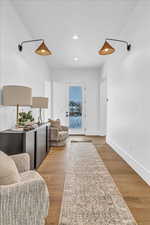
(39, 122)
(40, 116)
(17, 115)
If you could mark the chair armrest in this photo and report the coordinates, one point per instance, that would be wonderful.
(22, 162)
(64, 128)
(26, 202)
(54, 133)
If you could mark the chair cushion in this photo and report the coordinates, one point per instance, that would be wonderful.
(8, 170)
(56, 124)
(63, 135)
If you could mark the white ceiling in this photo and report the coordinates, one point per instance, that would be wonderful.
(58, 20)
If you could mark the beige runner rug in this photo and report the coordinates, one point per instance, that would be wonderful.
(90, 195)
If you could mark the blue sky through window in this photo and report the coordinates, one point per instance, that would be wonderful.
(75, 93)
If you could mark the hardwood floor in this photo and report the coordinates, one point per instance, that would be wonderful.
(134, 190)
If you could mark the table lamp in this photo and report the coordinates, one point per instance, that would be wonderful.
(41, 103)
(17, 96)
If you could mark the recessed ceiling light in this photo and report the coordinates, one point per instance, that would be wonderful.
(76, 58)
(75, 37)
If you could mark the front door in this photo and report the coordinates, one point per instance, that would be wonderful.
(75, 113)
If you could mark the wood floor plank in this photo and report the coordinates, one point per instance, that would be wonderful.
(134, 190)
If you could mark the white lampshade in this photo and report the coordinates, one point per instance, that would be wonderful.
(17, 95)
(40, 102)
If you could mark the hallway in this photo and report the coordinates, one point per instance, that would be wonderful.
(133, 189)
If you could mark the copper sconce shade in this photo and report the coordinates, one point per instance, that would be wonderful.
(43, 50)
(106, 49)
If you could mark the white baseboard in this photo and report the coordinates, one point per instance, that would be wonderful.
(101, 133)
(94, 133)
(138, 167)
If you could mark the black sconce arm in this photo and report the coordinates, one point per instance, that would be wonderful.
(128, 45)
(20, 46)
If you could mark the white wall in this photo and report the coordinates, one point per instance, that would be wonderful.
(59, 101)
(103, 104)
(18, 68)
(129, 93)
(90, 78)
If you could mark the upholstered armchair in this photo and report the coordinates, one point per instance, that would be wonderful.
(58, 136)
(25, 202)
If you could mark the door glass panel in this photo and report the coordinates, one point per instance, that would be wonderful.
(75, 107)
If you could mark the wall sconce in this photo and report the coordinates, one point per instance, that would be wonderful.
(41, 50)
(107, 49)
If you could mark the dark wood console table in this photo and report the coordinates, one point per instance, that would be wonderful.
(34, 142)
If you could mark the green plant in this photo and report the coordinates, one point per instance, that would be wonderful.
(25, 117)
